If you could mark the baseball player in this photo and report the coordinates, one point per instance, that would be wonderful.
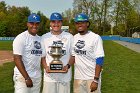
(27, 57)
(56, 82)
(89, 56)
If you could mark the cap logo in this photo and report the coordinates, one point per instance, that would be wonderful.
(56, 15)
(80, 17)
(34, 17)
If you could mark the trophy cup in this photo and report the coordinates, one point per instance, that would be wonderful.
(56, 66)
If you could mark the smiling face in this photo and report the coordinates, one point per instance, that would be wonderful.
(82, 27)
(33, 27)
(56, 25)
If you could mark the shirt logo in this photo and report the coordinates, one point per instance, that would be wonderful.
(37, 45)
(37, 51)
(80, 44)
(57, 43)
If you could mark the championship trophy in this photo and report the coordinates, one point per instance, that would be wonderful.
(56, 66)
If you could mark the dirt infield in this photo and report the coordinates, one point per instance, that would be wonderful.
(6, 56)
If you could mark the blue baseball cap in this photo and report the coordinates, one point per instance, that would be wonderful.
(81, 18)
(56, 16)
(33, 18)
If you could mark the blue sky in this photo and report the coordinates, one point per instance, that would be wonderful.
(45, 6)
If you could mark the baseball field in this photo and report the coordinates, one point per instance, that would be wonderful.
(121, 70)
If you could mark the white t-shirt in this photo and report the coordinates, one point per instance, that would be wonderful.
(65, 39)
(29, 47)
(86, 49)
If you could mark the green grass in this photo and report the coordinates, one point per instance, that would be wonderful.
(72, 80)
(6, 45)
(6, 78)
(121, 71)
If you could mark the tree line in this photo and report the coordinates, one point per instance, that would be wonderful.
(117, 17)
(13, 20)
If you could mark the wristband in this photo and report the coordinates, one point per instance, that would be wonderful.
(96, 78)
(95, 81)
(68, 66)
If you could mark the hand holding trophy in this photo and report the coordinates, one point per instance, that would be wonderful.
(56, 66)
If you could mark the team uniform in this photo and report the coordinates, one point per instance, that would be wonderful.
(29, 47)
(57, 82)
(86, 49)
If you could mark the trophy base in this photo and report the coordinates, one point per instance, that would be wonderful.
(56, 71)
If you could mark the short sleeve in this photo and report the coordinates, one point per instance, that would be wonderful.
(43, 47)
(18, 45)
(71, 44)
(98, 49)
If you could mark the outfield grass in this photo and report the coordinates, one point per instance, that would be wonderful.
(6, 82)
(121, 71)
(6, 45)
